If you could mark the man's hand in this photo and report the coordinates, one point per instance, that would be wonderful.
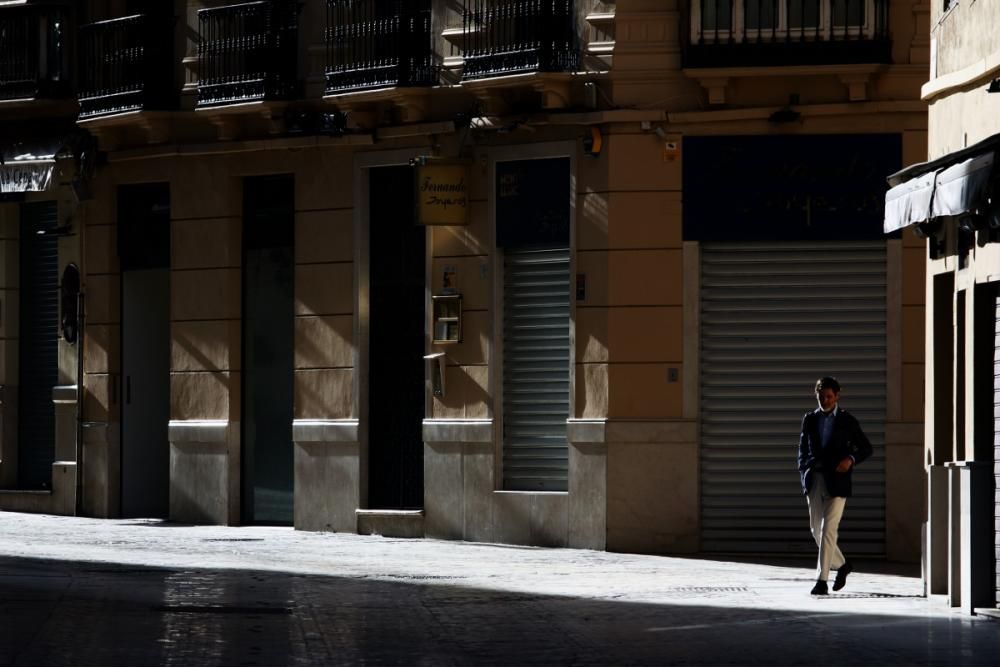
(845, 465)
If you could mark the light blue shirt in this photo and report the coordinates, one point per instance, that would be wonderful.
(826, 424)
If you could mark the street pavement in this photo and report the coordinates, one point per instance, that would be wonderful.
(81, 592)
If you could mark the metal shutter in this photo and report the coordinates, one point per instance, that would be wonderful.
(39, 338)
(536, 368)
(996, 449)
(774, 318)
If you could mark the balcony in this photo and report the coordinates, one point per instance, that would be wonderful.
(126, 66)
(375, 44)
(773, 33)
(34, 52)
(248, 53)
(504, 37)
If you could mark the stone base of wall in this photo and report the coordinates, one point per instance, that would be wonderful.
(461, 501)
(199, 472)
(101, 469)
(327, 475)
(60, 500)
(391, 523)
(653, 490)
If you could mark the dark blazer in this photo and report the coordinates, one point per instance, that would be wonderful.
(846, 439)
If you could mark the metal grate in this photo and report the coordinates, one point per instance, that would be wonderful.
(248, 52)
(377, 44)
(996, 452)
(519, 36)
(126, 65)
(33, 52)
(536, 365)
(774, 318)
(39, 341)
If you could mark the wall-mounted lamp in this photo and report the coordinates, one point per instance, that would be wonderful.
(994, 86)
(933, 231)
(593, 141)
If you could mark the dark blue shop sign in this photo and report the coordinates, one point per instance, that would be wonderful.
(786, 188)
(533, 202)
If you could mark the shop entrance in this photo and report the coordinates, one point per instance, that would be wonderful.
(765, 339)
(268, 348)
(985, 501)
(39, 344)
(144, 255)
(396, 343)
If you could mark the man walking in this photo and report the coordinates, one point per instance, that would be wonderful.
(830, 445)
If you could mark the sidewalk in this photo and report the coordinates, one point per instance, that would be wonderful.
(372, 599)
(587, 574)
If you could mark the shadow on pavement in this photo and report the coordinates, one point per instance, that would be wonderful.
(82, 613)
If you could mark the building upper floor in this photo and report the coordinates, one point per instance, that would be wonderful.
(964, 35)
(392, 61)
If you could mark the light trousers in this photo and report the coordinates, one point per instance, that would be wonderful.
(824, 521)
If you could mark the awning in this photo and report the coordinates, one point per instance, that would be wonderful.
(963, 188)
(909, 203)
(26, 175)
(28, 154)
(954, 185)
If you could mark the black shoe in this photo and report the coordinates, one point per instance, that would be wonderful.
(842, 573)
(819, 589)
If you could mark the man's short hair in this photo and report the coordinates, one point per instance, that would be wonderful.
(827, 383)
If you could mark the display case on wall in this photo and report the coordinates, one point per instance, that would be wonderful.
(447, 318)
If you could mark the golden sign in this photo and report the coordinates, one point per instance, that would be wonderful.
(442, 194)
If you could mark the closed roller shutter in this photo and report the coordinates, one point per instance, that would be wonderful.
(774, 318)
(39, 339)
(536, 369)
(996, 450)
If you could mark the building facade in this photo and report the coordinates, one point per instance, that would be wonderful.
(951, 201)
(555, 273)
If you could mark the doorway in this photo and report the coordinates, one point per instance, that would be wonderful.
(396, 389)
(268, 348)
(144, 255)
(39, 345)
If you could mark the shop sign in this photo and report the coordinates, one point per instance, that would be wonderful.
(442, 194)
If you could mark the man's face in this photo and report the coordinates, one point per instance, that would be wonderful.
(827, 398)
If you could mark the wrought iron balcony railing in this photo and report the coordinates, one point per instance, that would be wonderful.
(248, 52)
(378, 44)
(519, 36)
(34, 52)
(726, 33)
(126, 65)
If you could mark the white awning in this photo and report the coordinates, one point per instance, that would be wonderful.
(26, 175)
(909, 203)
(946, 188)
(963, 187)
(27, 163)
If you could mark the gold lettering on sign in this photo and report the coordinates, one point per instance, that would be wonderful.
(442, 194)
